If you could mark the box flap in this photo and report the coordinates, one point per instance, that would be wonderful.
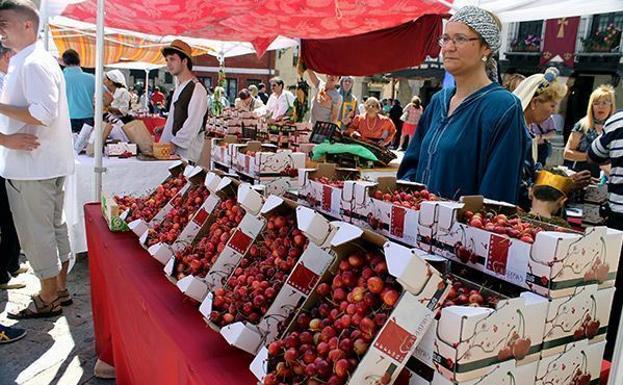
(314, 225)
(243, 336)
(259, 365)
(212, 181)
(188, 171)
(250, 199)
(409, 269)
(272, 202)
(345, 233)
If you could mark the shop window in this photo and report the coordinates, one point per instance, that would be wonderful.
(253, 81)
(528, 37)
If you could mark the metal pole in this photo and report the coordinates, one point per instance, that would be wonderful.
(99, 96)
(43, 28)
(146, 88)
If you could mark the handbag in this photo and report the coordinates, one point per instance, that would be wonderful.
(405, 115)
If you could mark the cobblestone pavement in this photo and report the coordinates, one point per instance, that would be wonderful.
(56, 351)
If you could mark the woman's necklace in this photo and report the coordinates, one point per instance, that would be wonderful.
(368, 125)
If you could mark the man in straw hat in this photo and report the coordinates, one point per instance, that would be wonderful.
(189, 105)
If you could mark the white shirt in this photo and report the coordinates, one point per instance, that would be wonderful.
(279, 105)
(121, 100)
(35, 80)
(189, 139)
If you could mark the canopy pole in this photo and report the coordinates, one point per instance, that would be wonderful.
(99, 99)
(43, 28)
(146, 89)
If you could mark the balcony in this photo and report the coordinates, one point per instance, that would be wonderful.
(597, 61)
(522, 62)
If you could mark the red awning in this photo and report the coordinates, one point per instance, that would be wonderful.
(404, 46)
(256, 21)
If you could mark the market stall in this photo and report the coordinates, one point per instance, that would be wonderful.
(142, 324)
(123, 176)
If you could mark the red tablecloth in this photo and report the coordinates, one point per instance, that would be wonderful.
(152, 122)
(142, 323)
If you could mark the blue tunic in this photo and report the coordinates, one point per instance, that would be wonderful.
(479, 149)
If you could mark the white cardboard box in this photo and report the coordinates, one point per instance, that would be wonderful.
(408, 322)
(553, 266)
(300, 283)
(265, 163)
(562, 367)
(471, 341)
(566, 317)
(324, 198)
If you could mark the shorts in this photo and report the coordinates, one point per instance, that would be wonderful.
(408, 128)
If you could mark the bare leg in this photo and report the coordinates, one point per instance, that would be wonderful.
(61, 278)
(49, 289)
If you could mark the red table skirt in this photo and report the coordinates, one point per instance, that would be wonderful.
(144, 326)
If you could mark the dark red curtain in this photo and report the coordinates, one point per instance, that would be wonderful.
(385, 50)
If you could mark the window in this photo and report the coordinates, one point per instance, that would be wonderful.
(231, 89)
(602, 21)
(528, 37)
(253, 81)
(207, 82)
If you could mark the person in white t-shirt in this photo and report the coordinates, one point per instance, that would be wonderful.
(279, 101)
(121, 98)
(33, 101)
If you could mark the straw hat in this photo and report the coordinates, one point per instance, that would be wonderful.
(179, 46)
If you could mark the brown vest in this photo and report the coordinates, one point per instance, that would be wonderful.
(180, 113)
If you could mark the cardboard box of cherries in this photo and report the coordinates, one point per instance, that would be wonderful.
(170, 222)
(322, 187)
(259, 160)
(393, 208)
(139, 212)
(258, 295)
(491, 237)
(363, 320)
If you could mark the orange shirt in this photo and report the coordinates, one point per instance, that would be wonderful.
(380, 129)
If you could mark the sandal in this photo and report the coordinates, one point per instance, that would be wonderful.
(65, 298)
(8, 334)
(38, 309)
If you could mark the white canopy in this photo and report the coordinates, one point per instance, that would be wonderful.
(526, 10)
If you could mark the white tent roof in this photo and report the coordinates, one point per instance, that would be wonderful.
(526, 10)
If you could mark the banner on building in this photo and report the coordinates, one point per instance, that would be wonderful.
(559, 41)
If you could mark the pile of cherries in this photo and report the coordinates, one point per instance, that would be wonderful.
(182, 212)
(254, 284)
(501, 224)
(146, 208)
(327, 342)
(330, 182)
(197, 260)
(407, 199)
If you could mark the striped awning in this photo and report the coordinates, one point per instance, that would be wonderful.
(118, 47)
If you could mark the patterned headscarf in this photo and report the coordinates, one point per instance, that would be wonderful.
(486, 26)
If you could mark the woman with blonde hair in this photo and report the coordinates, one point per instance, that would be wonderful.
(601, 106)
(372, 126)
(410, 117)
(540, 95)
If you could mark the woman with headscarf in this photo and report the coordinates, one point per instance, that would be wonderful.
(119, 103)
(471, 139)
(539, 95)
(349, 107)
(601, 106)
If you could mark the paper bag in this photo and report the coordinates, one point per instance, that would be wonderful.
(138, 133)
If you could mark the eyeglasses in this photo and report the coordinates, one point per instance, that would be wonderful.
(457, 40)
(273, 85)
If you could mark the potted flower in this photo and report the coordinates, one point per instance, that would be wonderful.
(530, 43)
(605, 40)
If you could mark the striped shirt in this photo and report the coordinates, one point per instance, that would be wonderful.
(608, 147)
